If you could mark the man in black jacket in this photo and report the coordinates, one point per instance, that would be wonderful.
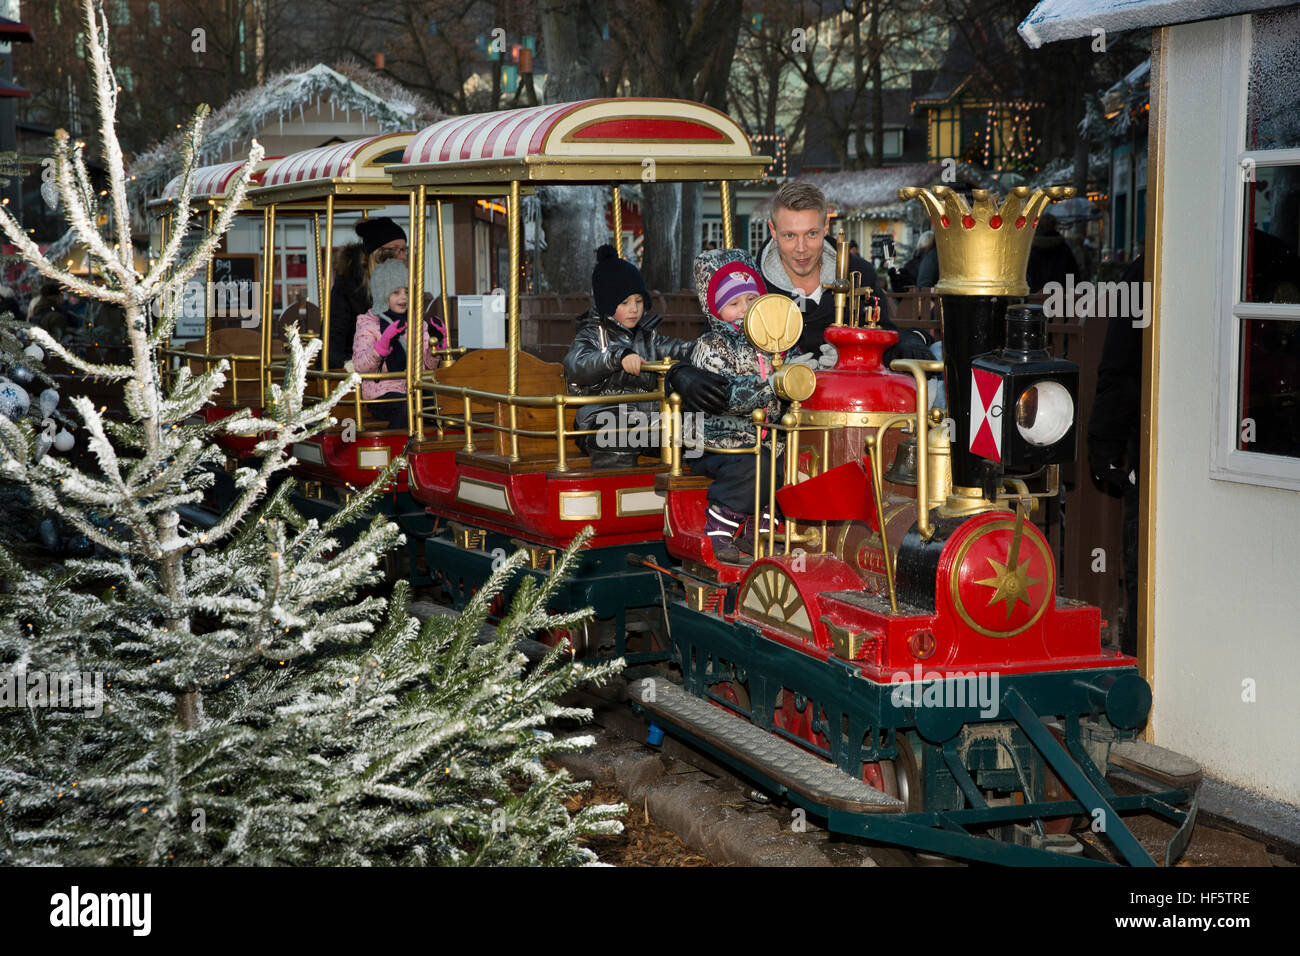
(799, 257)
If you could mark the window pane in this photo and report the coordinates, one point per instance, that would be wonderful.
(1270, 383)
(1271, 269)
(1273, 90)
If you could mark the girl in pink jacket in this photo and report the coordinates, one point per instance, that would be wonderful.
(380, 341)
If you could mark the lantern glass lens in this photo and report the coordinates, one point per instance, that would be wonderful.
(1044, 413)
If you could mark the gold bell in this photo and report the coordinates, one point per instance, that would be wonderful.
(903, 470)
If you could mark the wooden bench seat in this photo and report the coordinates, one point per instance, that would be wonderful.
(487, 370)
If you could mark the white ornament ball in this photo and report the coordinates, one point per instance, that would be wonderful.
(49, 401)
(64, 441)
(34, 352)
(22, 374)
(14, 400)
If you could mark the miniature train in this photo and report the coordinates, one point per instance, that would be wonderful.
(895, 659)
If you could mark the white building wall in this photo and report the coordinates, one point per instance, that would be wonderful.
(1227, 554)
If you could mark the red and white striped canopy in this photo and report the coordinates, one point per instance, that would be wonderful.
(213, 182)
(351, 161)
(627, 129)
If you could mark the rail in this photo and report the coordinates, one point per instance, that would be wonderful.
(561, 402)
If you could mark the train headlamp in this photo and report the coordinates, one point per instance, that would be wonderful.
(1023, 401)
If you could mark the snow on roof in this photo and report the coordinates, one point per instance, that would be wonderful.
(870, 192)
(1054, 20)
(349, 86)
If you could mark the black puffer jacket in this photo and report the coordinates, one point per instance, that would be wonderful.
(594, 364)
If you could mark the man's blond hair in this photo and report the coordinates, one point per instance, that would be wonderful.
(798, 196)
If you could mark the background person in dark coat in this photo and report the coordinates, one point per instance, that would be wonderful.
(799, 257)
(1115, 440)
(1050, 258)
(381, 240)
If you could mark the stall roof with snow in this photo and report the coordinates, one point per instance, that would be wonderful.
(291, 112)
(1054, 20)
(873, 193)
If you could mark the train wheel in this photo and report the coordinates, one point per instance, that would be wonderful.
(900, 777)
(735, 694)
(794, 715)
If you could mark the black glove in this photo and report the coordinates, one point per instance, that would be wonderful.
(701, 391)
(1113, 478)
(911, 345)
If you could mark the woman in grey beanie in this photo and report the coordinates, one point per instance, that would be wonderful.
(380, 341)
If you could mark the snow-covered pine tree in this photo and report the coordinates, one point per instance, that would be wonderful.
(235, 701)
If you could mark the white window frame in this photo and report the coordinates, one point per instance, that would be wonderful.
(711, 231)
(758, 234)
(1227, 461)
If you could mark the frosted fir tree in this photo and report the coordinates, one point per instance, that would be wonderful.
(226, 695)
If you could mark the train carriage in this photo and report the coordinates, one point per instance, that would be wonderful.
(494, 450)
(328, 187)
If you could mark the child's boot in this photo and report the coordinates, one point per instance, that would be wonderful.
(721, 526)
(745, 542)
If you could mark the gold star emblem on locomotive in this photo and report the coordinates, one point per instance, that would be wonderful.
(1010, 583)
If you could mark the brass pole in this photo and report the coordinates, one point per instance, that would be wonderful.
(665, 423)
(562, 464)
(417, 290)
(512, 235)
(320, 276)
(469, 425)
(919, 369)
(207, 312)
(728, 230)
(758, 415)
(841, 276)
(442, 277)
(771, 497)
(791, 420)
(618, 223)
(414, 318)
(329, 287)
(268, 255)
(758, 501)
(877, 489)
(675, 430)
(826, 457)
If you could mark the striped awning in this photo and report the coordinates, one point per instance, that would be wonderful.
(347, 161)
(213, 182)
(624, 132)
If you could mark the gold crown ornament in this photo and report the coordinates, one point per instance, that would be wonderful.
(984, 249)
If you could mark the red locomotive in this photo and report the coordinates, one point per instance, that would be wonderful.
(916, 642)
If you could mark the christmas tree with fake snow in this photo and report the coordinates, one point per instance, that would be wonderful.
(225, 695)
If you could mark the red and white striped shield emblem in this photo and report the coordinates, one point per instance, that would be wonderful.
(985, 414)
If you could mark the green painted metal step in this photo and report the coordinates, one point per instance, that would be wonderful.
(790, 766)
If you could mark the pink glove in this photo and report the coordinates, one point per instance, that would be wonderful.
(384, 344)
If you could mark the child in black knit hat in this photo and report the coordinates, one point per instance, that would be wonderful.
(614, 340)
